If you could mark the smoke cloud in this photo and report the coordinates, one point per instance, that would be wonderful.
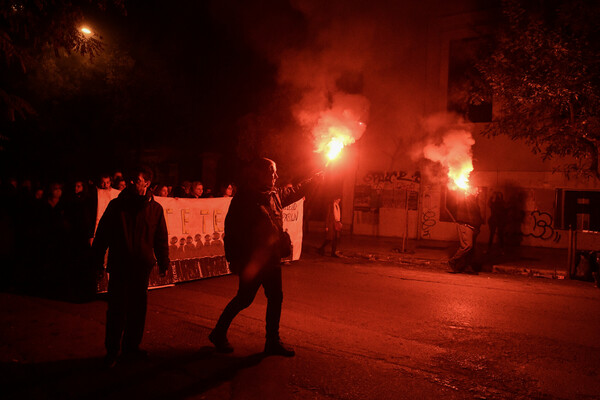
(350, 62)
(321, 50)
(449, 145)
(327, 73)
(454, 151)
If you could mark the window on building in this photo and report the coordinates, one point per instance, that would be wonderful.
(578, 209)
(468, 94)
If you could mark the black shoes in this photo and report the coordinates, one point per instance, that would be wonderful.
(127, 356)
(110, 360)
(453, 267)
(276, 348)
(220, 342)
(321, 252)
(134, 355)
(273, 347)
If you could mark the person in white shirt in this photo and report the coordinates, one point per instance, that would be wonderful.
(333, 227)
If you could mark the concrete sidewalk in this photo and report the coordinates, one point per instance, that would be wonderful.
(531, 261)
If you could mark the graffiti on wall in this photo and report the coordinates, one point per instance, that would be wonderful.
(428, 217)
(391, 189)
(376, 178)
(543, 227)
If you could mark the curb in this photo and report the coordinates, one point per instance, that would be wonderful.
(509, 269)
(531, 272)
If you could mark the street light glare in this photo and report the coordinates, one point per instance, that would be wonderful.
(86, 31)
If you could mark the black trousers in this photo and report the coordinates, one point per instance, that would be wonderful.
(463, 257)
(270, 279)
(493, 229)
(333, 241)
(126, 313)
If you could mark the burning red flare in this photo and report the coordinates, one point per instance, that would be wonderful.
(335, 147)
(454, 153)
(459, 175)
(333, 133)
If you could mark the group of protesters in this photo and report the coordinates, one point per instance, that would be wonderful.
(133, 230)
(46, 230)
(60, 244)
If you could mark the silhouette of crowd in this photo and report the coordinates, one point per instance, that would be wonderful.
(46, 230)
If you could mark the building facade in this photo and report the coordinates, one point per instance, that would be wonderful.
(392, 191)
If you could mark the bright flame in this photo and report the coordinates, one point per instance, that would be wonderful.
(86, 31)
(334, 134)
(460, 176)
(333, 142)
(334, 120)
(335, 146)
(454, 153)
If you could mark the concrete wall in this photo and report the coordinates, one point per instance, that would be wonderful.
(408, 86)
(531, 216)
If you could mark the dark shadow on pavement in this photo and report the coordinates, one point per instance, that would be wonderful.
(165, 375)
(60, 286)
(57, 293)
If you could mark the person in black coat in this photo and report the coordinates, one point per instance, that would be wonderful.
(255, 243)
(468, 222)
(497, 220)
(134, 230)
(333, 226)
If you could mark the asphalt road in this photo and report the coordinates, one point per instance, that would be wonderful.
(361, 330)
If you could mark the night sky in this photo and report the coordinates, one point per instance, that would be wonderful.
(236, 78)
(173, 79)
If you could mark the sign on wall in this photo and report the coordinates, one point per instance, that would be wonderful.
(383, 201)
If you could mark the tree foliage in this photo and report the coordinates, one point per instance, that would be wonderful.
(28, 28)
(544, 74)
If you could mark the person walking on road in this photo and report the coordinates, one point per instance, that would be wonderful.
(333, 227)
(497, 220)
(255, 243)
(468, 221)
(134, 230)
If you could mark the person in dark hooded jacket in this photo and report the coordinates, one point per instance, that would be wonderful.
(134, 230)
(468, 220)
(255, 243)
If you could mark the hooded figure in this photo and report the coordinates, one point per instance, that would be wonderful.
(255, 242)
(134, 230)
(468, 222)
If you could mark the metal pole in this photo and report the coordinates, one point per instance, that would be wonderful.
(406, 227)
(570, 253)
(420, 212)
(574, 252)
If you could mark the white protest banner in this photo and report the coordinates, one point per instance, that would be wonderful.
(196, 229)
(104, 197)
(293, 216)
